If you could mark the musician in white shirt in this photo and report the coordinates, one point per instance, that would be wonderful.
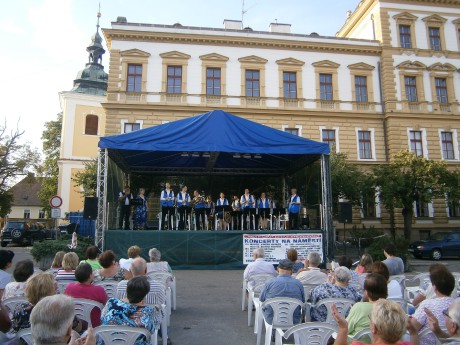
(247, 202)
(222, 201)
(183, 201)
(167, 206)
(263, 205)
(294, 209)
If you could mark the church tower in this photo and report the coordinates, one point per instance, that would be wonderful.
(83, 122)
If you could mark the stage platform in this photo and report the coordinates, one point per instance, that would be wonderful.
(205, 250)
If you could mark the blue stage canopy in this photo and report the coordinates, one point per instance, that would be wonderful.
(213, 143)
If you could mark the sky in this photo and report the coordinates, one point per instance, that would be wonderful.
(43, 42)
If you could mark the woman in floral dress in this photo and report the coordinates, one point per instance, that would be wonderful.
(141, 210)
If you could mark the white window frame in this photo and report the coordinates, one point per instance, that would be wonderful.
(125, 121)
(299, 128)
(27, 210)
(374, 156)
(430, 210)
(454, 143)
(337, 131)
(378, 210)
(424, 140)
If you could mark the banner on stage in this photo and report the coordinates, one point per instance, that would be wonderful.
(277, 245)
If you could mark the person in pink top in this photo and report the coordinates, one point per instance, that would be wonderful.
(84, 289)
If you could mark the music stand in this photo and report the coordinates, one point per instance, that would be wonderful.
(277, 212)
(221, 209)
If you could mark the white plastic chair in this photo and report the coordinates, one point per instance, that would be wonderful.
(61, 286)
(53, 271)
(343, 306)
(308, 288)
(401, 279)
(311, 333)
(121, 334)
(283, 318)
(254, 279)
(167, 279)
(402, 302)
(25, 335)
(362, 333)
(11, 303)
(253, 294)
(415, 284)
(109, 286)
(83, 308)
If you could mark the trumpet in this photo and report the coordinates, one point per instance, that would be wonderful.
(198, 200)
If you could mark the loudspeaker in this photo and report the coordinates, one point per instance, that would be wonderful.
(90, 208)
(345, 212)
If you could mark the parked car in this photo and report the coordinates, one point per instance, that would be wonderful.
(437, 246)
(23, 233)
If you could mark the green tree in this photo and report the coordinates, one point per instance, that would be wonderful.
(51, 137)
(407, 179)
(87, 178)
(16, 158)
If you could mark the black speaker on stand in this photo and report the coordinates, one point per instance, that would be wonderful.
(345, 216)
(90, 208)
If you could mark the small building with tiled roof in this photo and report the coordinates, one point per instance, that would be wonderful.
(26, 203)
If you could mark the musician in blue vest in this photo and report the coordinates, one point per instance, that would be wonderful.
(263, 205)
(222, 201)
(183, 201)
(199, 207)
(167, 206)
(248, 205)
(124, 199)
(294, 209)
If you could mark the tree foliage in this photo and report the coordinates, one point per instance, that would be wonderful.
(407, 179)
(51, 137)
(16, 158)
(87, 178)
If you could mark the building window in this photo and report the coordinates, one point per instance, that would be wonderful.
(435, 38)
(411, 88)
(441, 90)
(368, 207)
(361, 88)
(290, 84)
(252, 83)
(416, 144)
(134, 78)
(365, 144)
(174, 79)
(454, 208)
(325, 87)
(294, 131)
(41, 214)
(447, 143)
(328, 136)
(131, 127)
(405, 36)
(91, 124)
(421, 209)
(213, 81)
(26, 214)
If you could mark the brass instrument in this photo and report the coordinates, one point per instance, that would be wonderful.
(197, 200)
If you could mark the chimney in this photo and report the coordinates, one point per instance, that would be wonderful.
(281, 28)
(230, 24)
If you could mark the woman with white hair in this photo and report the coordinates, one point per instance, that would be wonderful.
(336, 287)
(452, 322)
(155, 264)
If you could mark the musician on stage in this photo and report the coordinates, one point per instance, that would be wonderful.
(294, 209)
(236, 213)
(210, 210)
(248, 206)
(199, 207)
(124, 199)
(263, 205)
(222, 201)
(183, 201)
(167, 206)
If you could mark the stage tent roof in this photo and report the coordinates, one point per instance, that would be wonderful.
(215, 142)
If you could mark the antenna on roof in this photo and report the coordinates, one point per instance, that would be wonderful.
(243, 12)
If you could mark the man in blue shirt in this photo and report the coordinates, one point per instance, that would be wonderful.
(283, 286)
(294, 209)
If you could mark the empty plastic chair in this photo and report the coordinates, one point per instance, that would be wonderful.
(121, 334)
(311, 333)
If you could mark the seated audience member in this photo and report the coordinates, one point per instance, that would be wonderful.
(292, 256)
(283, 286)
(365, 263)
(387, 324)
(134, 312)
(156, 295)
(155, 264)
(336, 287)
(395, 264)
(427, 291)
(259, 266)
(452, 322)
(91, 257)
(23, 270)
(375, 287)
(69, 264)
(394, 289)
(51, 322)
(312, 274)
(348, 263)
(6, 260)
(110, 269)
(57, 261)
(133, 252)
(85, 289)
(443, 283)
